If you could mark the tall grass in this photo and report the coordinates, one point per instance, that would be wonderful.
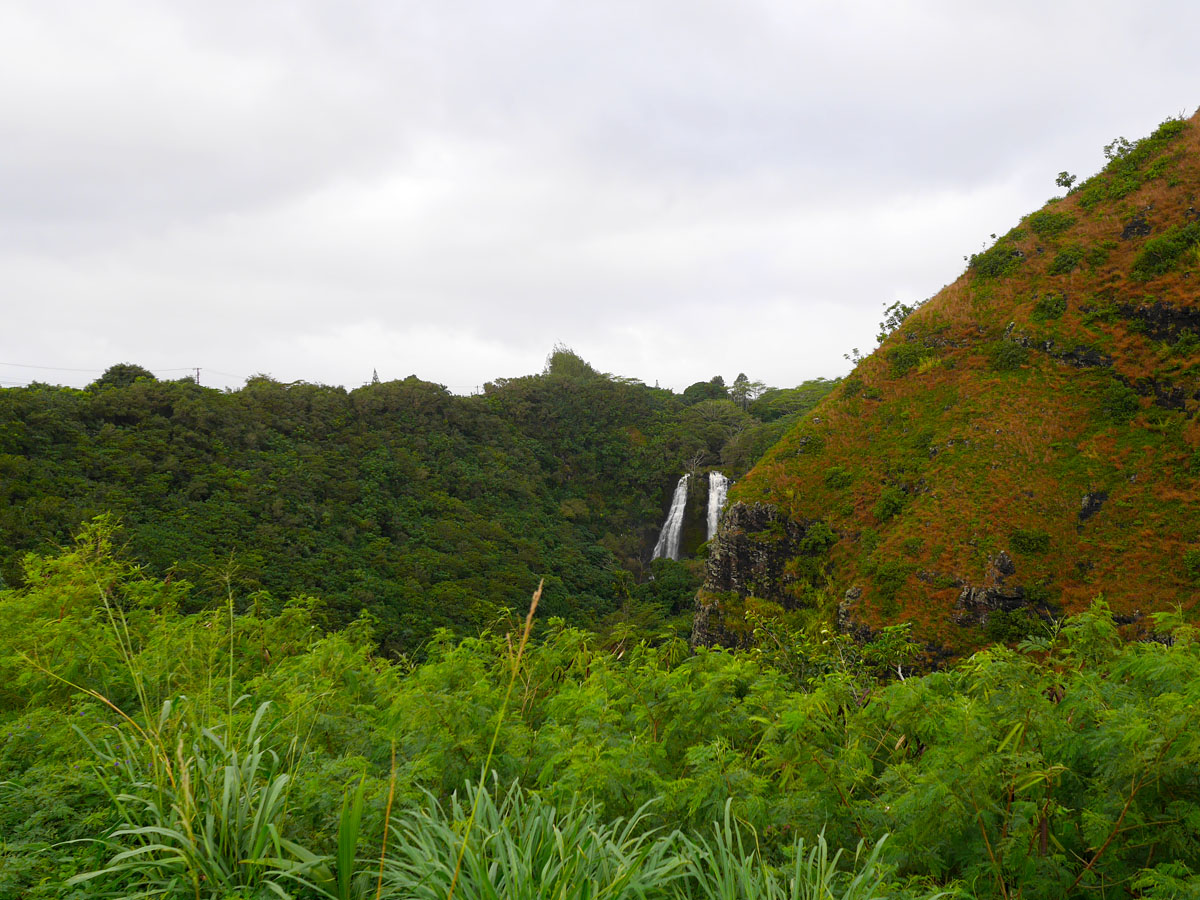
(522, 848)
(204, 831)
(515, 671)
(727, 868)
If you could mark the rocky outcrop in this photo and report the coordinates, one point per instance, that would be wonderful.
(1091, 504)
(709, 626)
(750, 550)
(746, 558)
(1163, 321)
(1136, 227)
(976, 602)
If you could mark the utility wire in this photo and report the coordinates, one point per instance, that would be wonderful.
(48, 368)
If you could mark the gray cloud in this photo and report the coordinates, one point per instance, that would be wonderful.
(315, 189)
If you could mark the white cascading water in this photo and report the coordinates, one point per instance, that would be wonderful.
(672, 530)
(718, 488)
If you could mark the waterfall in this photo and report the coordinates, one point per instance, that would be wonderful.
(718, 487)
(672, 530)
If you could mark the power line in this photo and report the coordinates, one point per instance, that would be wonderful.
(49, 368)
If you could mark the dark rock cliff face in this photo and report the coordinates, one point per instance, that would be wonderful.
(746, 558)
(749, 552)
(976, 603)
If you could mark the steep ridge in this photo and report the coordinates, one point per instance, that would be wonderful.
(1024, 442)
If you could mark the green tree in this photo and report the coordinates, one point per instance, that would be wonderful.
(121, 375)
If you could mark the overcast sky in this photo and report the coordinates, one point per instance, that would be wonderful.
(314, 190)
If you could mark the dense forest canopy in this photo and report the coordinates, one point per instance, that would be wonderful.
(426, 508)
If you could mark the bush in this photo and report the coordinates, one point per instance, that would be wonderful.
(890, 576)
(1006, 626)
(1119, 403)
(890, 502)
(838, 477)
(904, 357)
(1191, 563)
(1162, 254)
(1129, 165)
(1030, 541)
(1047, 224)
(1066, 261)
(998, 260)
(1049, 306)
(818, 538)
(1006, 356)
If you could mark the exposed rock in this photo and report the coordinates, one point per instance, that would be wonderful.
(1003, 566)
(748, 554)
(1080, 356)
(1091, 504)
(974, 604)
(846, 623)
(1084, 357)
(1166, 395)
(1162, 321)
(1136, 227)
(746, 558)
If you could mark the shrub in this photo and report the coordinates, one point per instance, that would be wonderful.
(1129, 165)
(1002, 258)
(1006, 626)
(1047, 224)
(1006, 356)
(838, 477)
(818, 538)
(1066, 260)
(1029, 541)
(890, 502)
(1119, 403)
(1161, 254)
(1049, 306)
(1191, 563)
(904, 358)
(890, 576)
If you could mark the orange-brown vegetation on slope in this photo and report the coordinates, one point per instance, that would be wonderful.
(1040, 409)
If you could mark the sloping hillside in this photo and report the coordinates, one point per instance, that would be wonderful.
(1025, 441)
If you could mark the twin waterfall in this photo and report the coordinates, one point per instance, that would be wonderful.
(718, 487)
(672, 529)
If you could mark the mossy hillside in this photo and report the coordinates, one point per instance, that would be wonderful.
(1043, 406)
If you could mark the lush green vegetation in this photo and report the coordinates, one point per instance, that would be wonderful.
(236, 752)
(428, 509)
(1163, 253)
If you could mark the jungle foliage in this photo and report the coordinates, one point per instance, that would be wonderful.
(428, 509)
(245, 752)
